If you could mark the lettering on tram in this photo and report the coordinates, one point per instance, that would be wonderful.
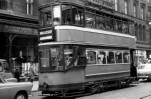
(82, 49)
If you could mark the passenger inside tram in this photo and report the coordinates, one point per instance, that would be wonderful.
(56, 21)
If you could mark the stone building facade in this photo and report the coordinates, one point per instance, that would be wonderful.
(139, 11)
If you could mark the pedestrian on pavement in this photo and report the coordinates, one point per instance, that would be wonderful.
(17, 74)
(32, 72)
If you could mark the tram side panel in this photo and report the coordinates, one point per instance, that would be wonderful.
(70, 79)
(107, 72)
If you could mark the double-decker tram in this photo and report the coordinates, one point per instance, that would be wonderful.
(83, 49)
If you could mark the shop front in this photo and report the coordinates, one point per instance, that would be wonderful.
(18, 46)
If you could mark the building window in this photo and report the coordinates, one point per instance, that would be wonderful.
(148, 1)
(142, 12)
(3, 4)
(144, 33)
(116, 4)
(136, 31)
(125, 6)
(135, 12)
(149, 13)
(29, 7)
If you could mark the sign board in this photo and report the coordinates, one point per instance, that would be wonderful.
(47, 35)
(18, 30)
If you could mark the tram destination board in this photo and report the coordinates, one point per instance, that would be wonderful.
(47, 35)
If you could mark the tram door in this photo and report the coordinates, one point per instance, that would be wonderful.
(132, 63)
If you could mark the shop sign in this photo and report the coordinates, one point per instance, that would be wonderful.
(101, 4)
(19, 30)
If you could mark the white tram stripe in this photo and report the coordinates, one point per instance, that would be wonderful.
(46, 38)
(98, 74)
(95, 31)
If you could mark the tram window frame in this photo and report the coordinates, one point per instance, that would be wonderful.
(44, 16)
(56, 57)
(56, 17)
(128, 57)
(80, 13)
(91, 12)
(100, 24)
(44, 65)
(101, 57)
(67, 19)
(108, 23)
(118, 57)
(91, 55)
(77, 56)
(109, 56)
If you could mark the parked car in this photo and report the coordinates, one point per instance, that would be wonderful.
(14, 90)
(144, 71)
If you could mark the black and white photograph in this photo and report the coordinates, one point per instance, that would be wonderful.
(75, 49)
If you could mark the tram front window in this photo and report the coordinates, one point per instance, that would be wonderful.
(46, 17)
(44, 56)
(60, 57)
(57, 15)
(56, 58)
(74, 56)
(50, 16)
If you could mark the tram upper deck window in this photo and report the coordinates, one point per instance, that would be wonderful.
(66, 14)
(78, 16)
(57, 15)
(50, 15)
(46, 16)
(72, 15)
(100, 22)
(89, 20)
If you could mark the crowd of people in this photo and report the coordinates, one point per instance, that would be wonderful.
(29, 77)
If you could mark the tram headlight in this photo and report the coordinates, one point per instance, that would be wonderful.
(45, 85)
